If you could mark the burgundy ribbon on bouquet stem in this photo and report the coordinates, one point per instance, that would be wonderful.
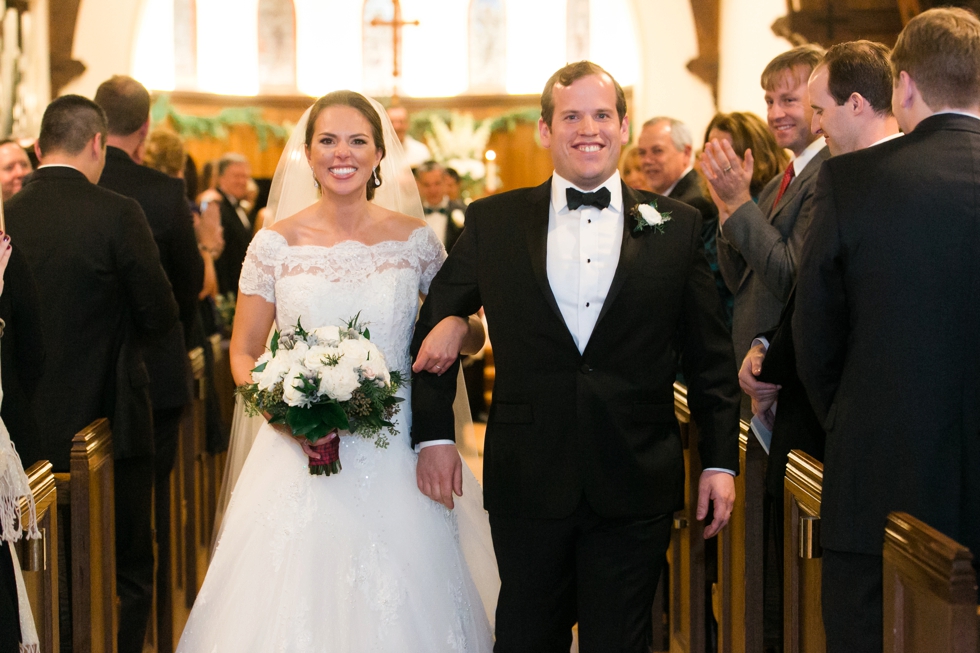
(329, 451)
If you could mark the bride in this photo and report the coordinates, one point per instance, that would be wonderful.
(360, 560)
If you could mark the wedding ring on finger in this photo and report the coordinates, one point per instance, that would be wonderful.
(727, 169)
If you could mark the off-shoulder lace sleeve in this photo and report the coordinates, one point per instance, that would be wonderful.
(263, 261)
(431, 255)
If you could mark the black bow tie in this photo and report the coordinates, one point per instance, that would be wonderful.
(576, 198)
(433, 209)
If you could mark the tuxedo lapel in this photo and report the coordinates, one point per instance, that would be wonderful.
(627, 254)
(536, 230)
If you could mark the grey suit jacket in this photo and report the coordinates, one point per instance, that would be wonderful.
(759, 249)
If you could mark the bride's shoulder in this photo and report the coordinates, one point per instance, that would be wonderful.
(398, 226)
(288, 228)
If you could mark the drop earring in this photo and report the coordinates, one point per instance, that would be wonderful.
(316, 183)
(377, 182)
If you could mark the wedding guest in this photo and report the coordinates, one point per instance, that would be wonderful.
(445, 216)
(14, 166)
(416, 152)
(747, 131)
(886, 322)
(630, 169)
(233, 175)
(850, 92)
(759, 244)
(452, 181)
(17, 629)
(126, 103)
(103, 293)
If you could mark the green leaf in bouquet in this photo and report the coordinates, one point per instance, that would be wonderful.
(259, 368)
(331, 414)
(302, 420)
(366, 333)
(274, 345)
(300, 331)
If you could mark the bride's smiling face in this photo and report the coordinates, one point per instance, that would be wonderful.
(342, 152)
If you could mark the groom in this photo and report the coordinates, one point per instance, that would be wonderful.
(588, 315)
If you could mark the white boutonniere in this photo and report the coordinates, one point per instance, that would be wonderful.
(648, 217)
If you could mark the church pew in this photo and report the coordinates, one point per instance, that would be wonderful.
(802, 616)
(39, 558)
(686, 593)
(738, 592)
(88, 492)
(192, 453)
(929, 589)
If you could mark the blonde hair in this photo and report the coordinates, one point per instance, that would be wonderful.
(164, 151)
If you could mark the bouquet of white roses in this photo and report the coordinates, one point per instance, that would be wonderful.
(323, 381)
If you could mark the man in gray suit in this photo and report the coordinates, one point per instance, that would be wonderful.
(759, 244)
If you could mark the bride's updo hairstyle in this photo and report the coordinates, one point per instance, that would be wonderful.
(361, 104)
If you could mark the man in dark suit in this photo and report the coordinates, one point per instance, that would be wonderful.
(102, 290)
(759, 244)
(127, 106)
(588, 309)
(445, 216)
(666, 154)
(233, 176)
(887, 319)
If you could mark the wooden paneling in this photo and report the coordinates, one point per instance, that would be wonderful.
(686, 596)
(39, 558)
(929, 590)
(740, 555)
(802, 616)
(93, 540)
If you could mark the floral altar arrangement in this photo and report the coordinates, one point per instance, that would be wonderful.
(323, 381)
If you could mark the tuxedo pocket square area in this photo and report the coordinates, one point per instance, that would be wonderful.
(512, 413)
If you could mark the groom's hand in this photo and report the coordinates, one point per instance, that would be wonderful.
(718, 487)
(440, 473)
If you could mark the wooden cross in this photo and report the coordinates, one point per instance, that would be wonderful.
(396, 25)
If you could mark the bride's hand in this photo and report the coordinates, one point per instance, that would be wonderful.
(441, 347)
(302, 441)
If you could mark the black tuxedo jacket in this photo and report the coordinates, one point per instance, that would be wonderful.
(164, 203)
(886, 329)
(452, 229)
(98, 277)
(796, 425)
(599, 423)
(237, 238)
(22, 348)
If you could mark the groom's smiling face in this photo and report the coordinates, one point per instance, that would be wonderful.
(585, 135)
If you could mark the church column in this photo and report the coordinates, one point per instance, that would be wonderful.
(667, 40)
(747, 44)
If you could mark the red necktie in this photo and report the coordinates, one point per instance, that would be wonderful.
(787, 178)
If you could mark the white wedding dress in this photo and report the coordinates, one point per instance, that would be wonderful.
(359, 561)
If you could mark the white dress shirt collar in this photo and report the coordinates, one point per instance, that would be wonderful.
(807, 155)
(887, 138)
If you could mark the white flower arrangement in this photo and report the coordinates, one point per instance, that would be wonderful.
(460, 144)
(324, 381)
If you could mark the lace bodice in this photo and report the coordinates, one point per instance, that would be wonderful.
(328, 285)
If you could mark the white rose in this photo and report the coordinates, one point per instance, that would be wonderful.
(327, 333)
(649, 214)
(292, 392)
(316, 356)
(275, 368)
(355, 352)
(338, 382)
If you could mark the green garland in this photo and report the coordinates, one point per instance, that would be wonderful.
(421, 121)
(195, 127)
